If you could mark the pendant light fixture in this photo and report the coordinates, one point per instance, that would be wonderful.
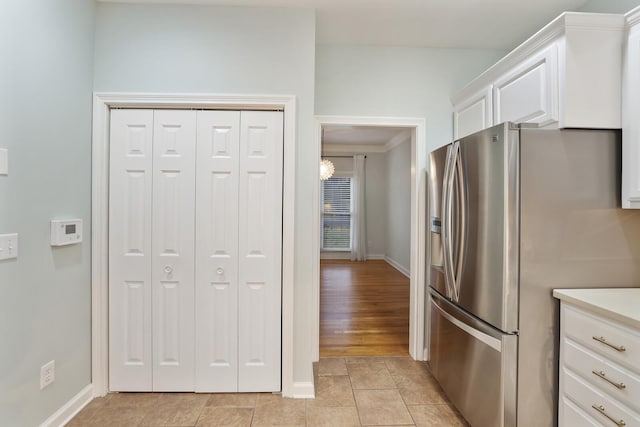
(326, 169)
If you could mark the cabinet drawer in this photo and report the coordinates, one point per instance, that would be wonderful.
(571, 415)
(616, 342)
(588, 398)
(603, 374)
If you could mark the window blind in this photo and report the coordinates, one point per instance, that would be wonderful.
(336, 213)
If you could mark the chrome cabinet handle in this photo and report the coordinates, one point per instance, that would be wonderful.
(168, 269)
(601, 374)
(602, 340)
(602, 411)
(220, 271)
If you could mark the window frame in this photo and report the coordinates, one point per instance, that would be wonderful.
(322, 213)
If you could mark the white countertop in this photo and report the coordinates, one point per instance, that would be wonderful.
(619, 304)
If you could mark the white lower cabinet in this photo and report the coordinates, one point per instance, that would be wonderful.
(195, 232)
(571, 415)
(599, 370)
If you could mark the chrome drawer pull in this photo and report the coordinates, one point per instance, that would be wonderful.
(601, 409)
(601, 374)
(602, 340)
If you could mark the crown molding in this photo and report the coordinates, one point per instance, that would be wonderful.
(398, 139)
(352, 148)
(633, 17)
(337, 148)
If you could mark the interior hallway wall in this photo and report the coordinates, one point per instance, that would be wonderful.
(46, 82)
(376, 203)
(224, 50)
(610, 6)
(398, 207)
(397, 82)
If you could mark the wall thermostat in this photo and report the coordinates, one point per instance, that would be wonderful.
(66, 232)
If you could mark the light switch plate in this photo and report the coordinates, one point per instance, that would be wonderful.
(8, 246)
(4, 161)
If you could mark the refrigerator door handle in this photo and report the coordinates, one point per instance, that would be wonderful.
(461, 222)
(446, 221)
(449, 267)
(492, 342)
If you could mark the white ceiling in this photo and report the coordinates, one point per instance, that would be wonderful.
(496, 24)
(338, 139)
(359, 135)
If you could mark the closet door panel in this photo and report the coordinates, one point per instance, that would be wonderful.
(173, 226)
(260, 250)
(130, 183)
(217, 251)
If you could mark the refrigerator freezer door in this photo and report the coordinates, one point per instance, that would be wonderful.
(437, 166)
(475, 364)
(487, 277)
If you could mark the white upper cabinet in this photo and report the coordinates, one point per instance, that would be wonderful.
(631, 114)
(473, 113)
(567, 75)
(529, 92)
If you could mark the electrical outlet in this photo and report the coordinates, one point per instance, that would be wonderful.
(47, 374)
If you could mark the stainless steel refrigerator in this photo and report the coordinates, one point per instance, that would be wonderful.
(514, 213)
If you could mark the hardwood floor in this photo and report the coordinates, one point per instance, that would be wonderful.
(364, 309)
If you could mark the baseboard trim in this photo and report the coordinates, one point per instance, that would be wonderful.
(397, 266)
(335, 255)
(303, 390)
(70, 409)
(375, 256)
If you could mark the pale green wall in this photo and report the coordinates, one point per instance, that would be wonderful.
(46, 80)
(226, 50)
(610, 6)
(398, 207)
(397, 82)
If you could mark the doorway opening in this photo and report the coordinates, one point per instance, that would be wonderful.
(373, 305)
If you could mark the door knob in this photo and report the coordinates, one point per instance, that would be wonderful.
(168, 269)
(220, 271)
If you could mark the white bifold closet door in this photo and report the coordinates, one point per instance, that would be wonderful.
(130, 255)
(239, 251)
(195, 250)
(172, 277)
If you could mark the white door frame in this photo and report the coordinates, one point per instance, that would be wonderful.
(102, 104)
(418, 200)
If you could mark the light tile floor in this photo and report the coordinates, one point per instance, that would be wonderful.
(351, 391)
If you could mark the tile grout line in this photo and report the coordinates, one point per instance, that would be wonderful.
(353, 394)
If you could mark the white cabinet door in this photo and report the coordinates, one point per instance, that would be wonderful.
(260, 250)
(529, 92)
(631, 122)
(130, 256)
(473, 114)
(217, 168)
(174, 142)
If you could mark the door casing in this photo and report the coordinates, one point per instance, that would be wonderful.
(103, 102)
(417, 342)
